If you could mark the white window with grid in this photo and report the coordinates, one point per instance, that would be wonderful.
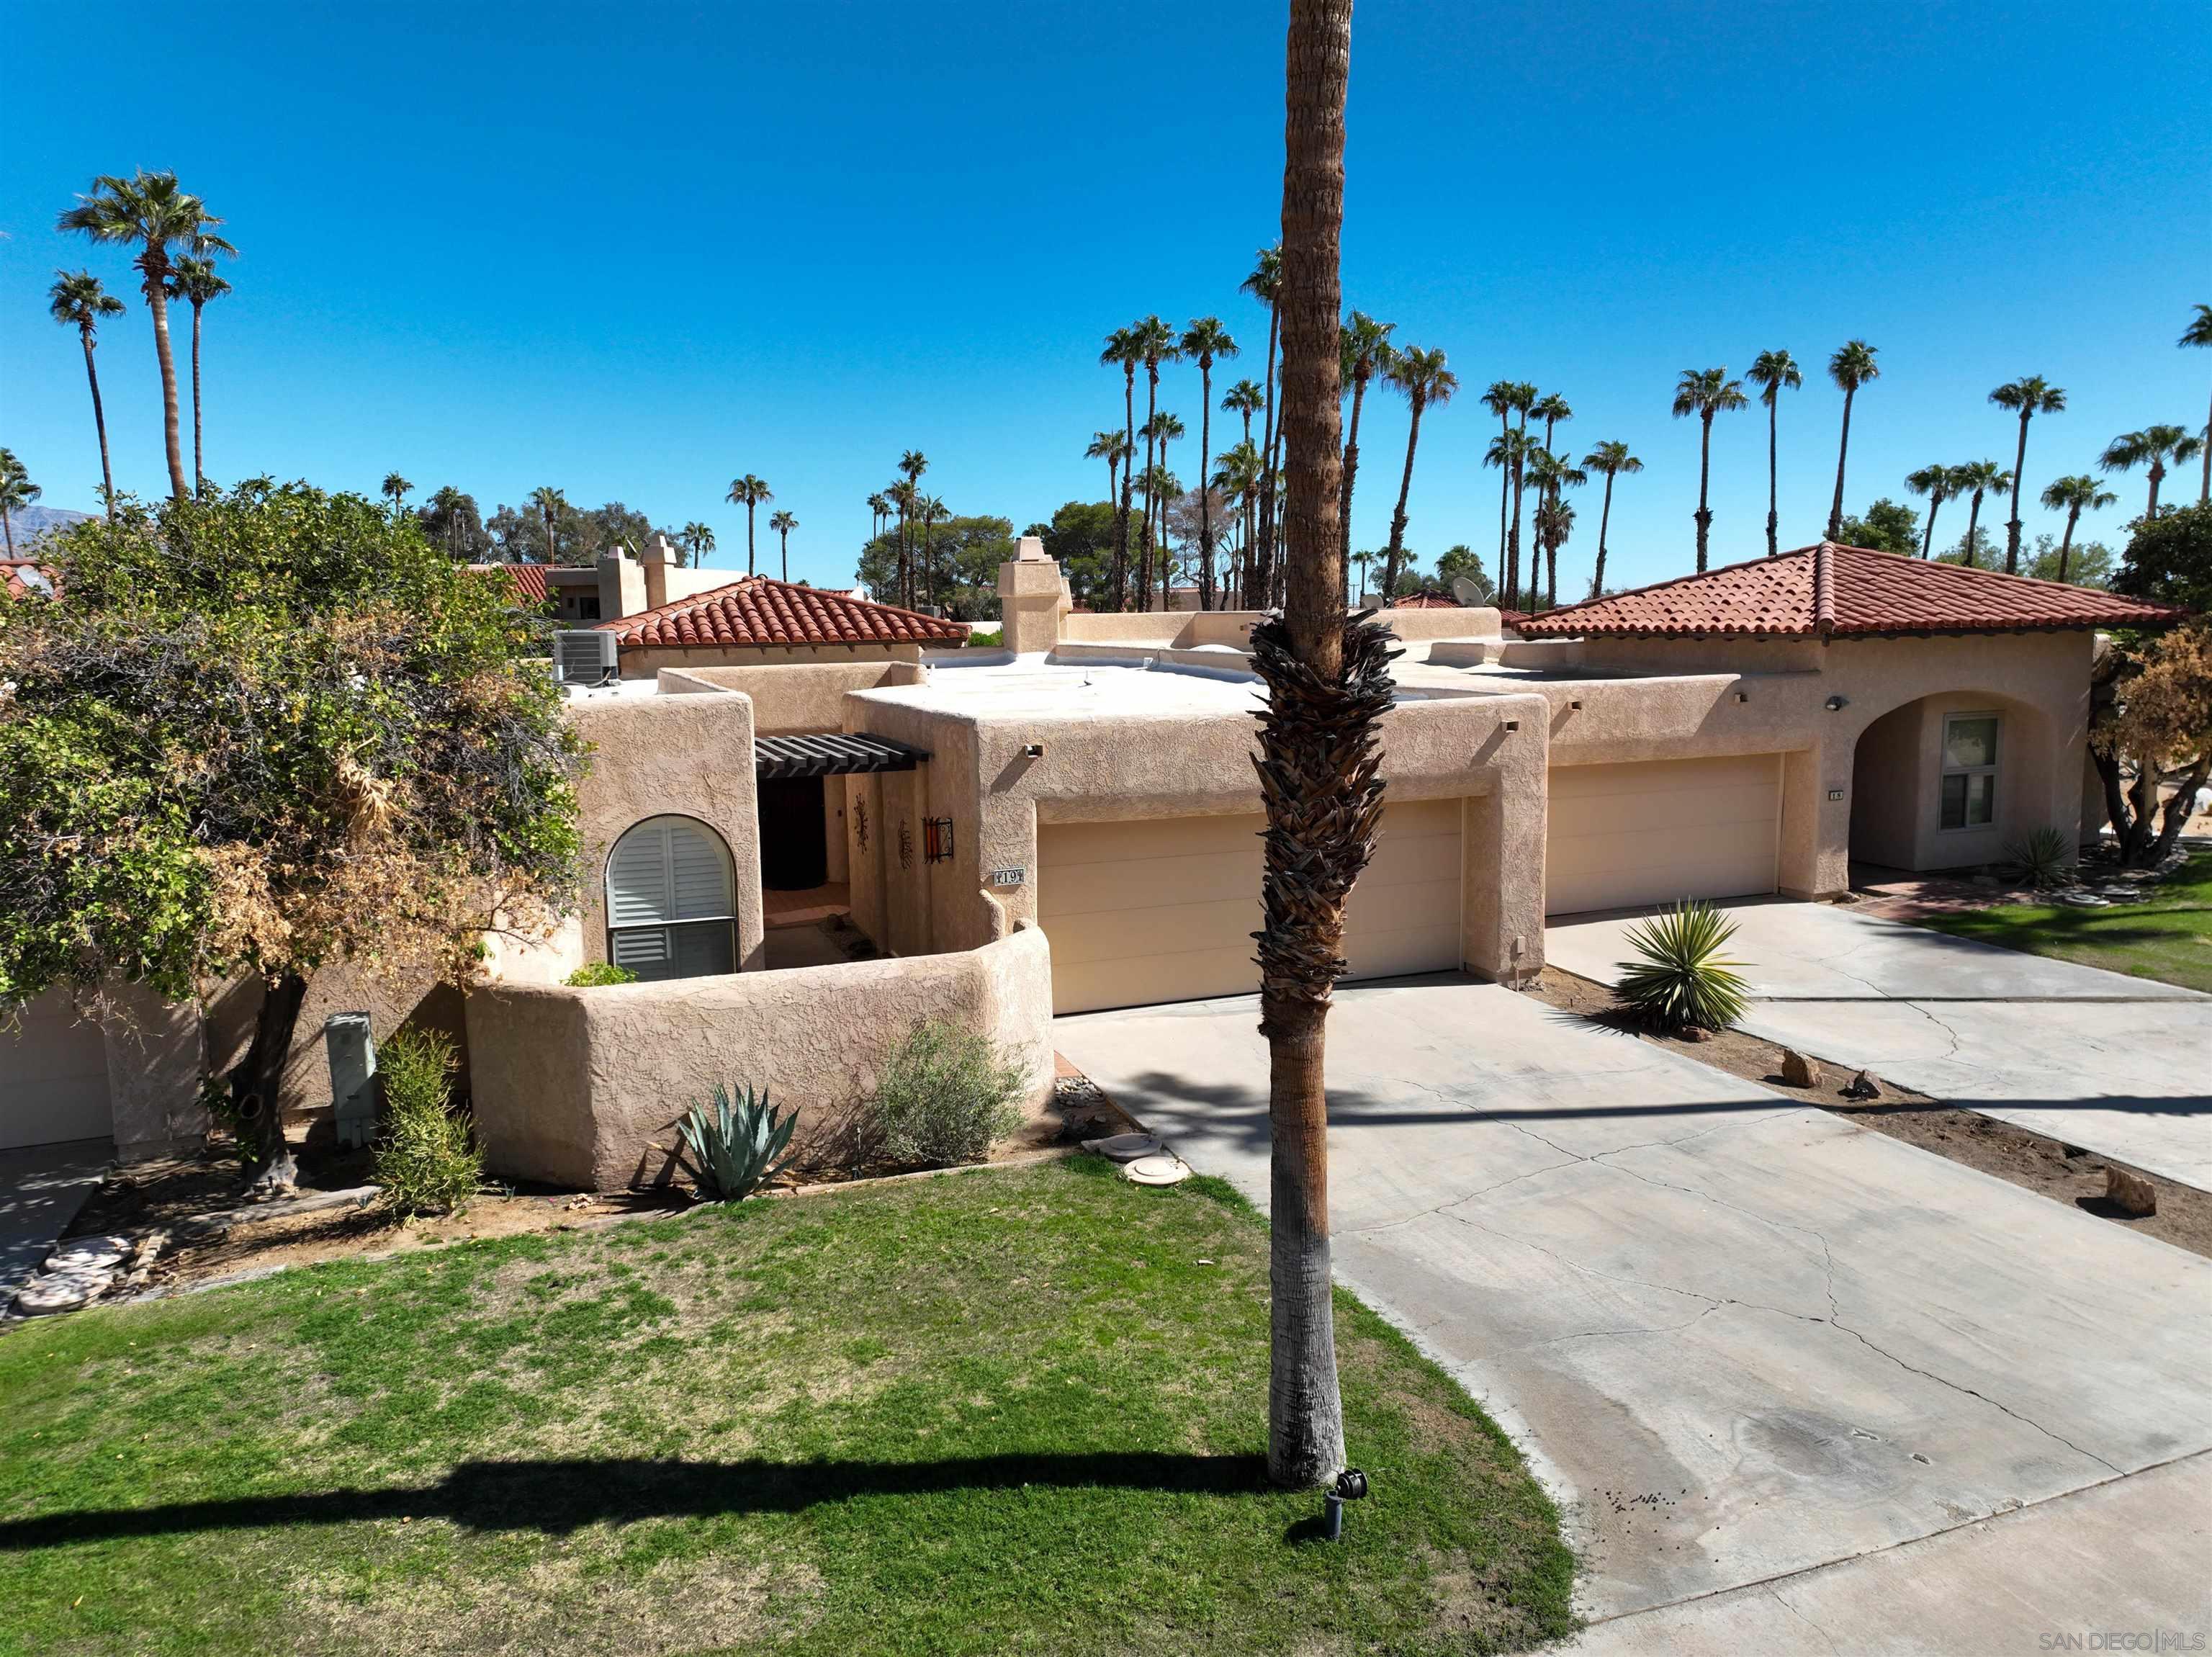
(1970, 771)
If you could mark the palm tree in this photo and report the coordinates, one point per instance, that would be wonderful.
(1851, 367)
(932, 512)
(79, 301)
(1328, 684)
(446, 501)
(1705, 393)
(1163, 428)
(1364, 344)
(1773, 373)
(1610, 459)
(1123, 352)
(1427, 383)
(1525, 398)
(1554, 518)
(749, 492)
(1498, 399)
(1265, 284)
(1155, 343)
(905, 500)
(1204, 341)
(1507, 452)
(2028, 397)
(551, 505)
(1551, 411)
(783, 523)
(2199, 333)
(1936, 483)
(879, 512)
(1244, 397)
(152, 211)
(2153, 446)
(16, 492)
(697, 539)
(1113, 448)
(2074, 496)
(1977, 478)
(396, 491)
(195, 282)
(1236, 475)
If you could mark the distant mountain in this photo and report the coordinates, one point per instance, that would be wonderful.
(34, 521)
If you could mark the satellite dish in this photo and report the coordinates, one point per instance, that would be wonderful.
(1468, 593)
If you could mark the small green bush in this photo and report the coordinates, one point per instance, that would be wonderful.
(2043, 858)
(737, 1145)
(944, 1095)
(426, 1160)
(1681, 979)
(592, 974)
(988, 641)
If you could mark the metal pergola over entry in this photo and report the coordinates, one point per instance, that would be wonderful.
(833, 754)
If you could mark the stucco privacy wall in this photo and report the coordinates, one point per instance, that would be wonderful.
(796, 699)
(1187, 629)
(689, 755)
(645, 660)
(585, 1087)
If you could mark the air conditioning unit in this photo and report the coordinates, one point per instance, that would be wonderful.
(585, 656)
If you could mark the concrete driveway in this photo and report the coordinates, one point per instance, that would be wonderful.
(1741, 1339)
(2121, 1065)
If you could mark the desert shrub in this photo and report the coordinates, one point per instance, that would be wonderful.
(736, 1144)
(944, 1095)
(2043, 858)
(992, 641)
(592, 974)
(426, 1160)
(1680, 979)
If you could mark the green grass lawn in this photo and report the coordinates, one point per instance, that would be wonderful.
(1021, 1411)
(2167, 937)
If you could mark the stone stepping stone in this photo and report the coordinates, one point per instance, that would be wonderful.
(88, 1253)
(62, 1291)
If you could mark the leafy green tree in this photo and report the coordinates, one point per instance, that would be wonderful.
(195, 281)
(2199, 333)
(969, 551)
(1773, 373)
(1080, 539)
(1427, 383)
(1887, 526)
(2075, 496)
(1463, 562)
(16, 492)
(2169, 559)
(1705, 393)
(2091, 564)
(2151, 448)
(1976, 549)
(450, 519)
(154, 213)
(1850, 367)
(261, 732)
(1609, 461)
(1936, 483)
(2026, 398)
(79, 301)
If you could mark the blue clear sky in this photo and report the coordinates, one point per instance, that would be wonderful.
(635, 252)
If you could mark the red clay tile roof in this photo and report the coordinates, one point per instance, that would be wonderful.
(1831, 591)
(758, 610)
(1426, 601)
(529, 579)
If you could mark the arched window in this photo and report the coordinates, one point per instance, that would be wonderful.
(671, 901)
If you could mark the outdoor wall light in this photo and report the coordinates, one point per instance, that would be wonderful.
(1512, 724)
(1743, 696)
(1033, 751)
(1836, 704)
(936, 839)
(1351, 1486)
(1577, 706)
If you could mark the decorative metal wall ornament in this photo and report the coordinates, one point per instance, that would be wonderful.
(906, 843)
(861, 822)
(936, 839)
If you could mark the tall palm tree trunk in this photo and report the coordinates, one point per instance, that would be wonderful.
(1350, 471)
(2157, 477)
(2012, 526)
(157, 301)
(1505, 487)
(1128, 476)
(1328, 684)
(2066, 540)
(1704, 516)
(1151, 416)
(1513, 545)
(7, 528)
(1927, 541)
(199, 469)
(99, 425)
(1973, 521)
(1397, 546)
(1604, 520)
(1773, 519)
(1263, 556)
(748, 539)
(1205, 491)
(1843, 453)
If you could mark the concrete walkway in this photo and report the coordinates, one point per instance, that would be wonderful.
(41, 1189)
(1740, 1338)
(2122, 1065)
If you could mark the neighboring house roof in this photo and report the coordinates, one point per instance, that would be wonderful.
(758, 610)
(1426, 601)
(529, 579)
(23, 576)
(1829, 591)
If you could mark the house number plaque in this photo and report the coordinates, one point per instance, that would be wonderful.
(1007, 876)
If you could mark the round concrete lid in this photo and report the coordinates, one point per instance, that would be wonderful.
(82, 1253)
(1124, 1146)
(1166, 1170)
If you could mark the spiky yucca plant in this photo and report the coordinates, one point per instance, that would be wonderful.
(736, 1145)
(2044, 857)
(1681, 979)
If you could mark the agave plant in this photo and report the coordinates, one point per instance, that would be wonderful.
(736, 1145)
(2043, 858)
(1682, 979)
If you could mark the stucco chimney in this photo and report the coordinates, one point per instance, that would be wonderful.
(655, 559)
(1032, 598)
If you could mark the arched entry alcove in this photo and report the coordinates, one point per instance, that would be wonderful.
(1950, 781)
(671, 900)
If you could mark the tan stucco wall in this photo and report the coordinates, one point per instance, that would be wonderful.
(690, 755)
(1897, 812)
(584, 1087)
(796, 699)
(645, 660)
(1186, 629)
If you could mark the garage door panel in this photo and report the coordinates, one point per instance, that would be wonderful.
(53, 1077)
(1167, 929)
(1393, 908)
(1104, 887)
(1082, 986)
(1403, 818)
(1658, 832)
(1394, 953)
(1412, 861)
(1150, 837)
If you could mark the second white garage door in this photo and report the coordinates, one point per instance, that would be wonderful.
(1163, 909)
(1661, 831)
(53, 1076)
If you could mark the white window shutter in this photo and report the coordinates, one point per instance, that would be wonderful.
(698, 875)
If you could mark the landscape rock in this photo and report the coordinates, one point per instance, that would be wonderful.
(1862, 1086)
(1696, 1033)
(88, 1253)
(66, 1290)
(1797, 1070)
(2131, 1193)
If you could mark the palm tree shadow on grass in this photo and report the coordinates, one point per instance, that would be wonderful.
(557, 1498)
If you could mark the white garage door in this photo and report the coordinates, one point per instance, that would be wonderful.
(53, 1077)
(1163, 909)
(1662, 830)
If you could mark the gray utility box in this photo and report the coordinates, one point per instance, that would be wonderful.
(352, 1054)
